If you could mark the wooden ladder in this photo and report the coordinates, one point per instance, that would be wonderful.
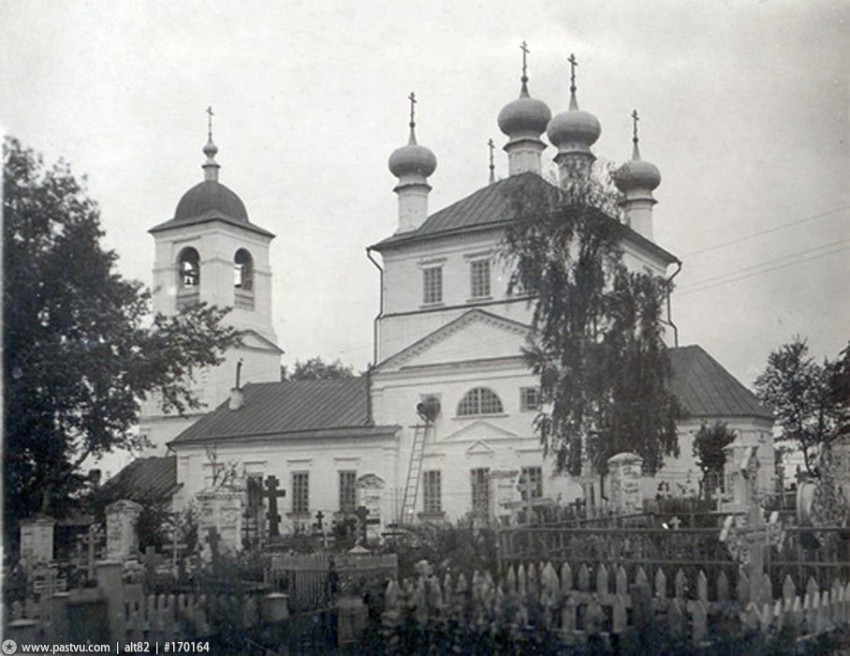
(414, 473)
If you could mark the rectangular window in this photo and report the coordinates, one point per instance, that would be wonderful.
(431, 493)
(480, 490)
(480, 278)
(347, 496)
(529, 399)
(301, 493)
(432, 285)
(531, 480)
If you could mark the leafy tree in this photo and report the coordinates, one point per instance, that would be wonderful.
(809, 400)
(596, 344)
(709, 443)
(80, 351)
(317, 369)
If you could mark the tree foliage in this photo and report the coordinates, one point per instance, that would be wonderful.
(810, 400)
(80, 349)
(709, 443)
(597, 340)
(317, 369)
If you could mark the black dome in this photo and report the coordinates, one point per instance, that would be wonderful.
(210, 196)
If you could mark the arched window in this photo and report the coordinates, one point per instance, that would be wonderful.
(479, 401)
(243, 271)
(189, 267)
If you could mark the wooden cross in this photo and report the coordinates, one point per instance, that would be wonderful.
(273, 494)
(362, 513)
(176, 548)
(748, 536)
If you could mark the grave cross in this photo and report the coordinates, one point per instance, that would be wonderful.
(273, 494)
(675, 523)
(319, 517)
(748, 536)
(364, 522)
(90, 541)
(214, 539)
(176, 548)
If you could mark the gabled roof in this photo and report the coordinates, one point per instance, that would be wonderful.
(291, 410)
(144, 479)
(706, 389)
(490, 207)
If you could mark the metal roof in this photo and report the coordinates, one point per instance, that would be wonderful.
(291, 410)
(490, 207)
(706, 389)
(144, 479)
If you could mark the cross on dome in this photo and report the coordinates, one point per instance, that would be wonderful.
(492, 147)
(209, 122)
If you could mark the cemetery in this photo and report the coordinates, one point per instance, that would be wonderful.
(634, 575)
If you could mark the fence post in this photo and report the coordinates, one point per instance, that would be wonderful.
(109, 581)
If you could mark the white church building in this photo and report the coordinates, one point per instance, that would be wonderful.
(441, 428)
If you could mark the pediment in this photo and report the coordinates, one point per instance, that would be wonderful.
(480, 431)
(475, 335)
(479, 449)
(254, 341)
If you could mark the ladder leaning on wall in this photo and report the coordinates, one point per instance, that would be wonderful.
(414, 471)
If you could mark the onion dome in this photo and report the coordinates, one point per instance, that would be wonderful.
(573, 129)
(412, 159)
(525, 114)
(637, 175)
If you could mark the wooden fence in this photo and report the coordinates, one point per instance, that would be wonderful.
(689, 549)
(575, 605)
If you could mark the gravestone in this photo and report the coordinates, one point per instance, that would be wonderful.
(369, 494)
(122, 540)
(841, 469)
(37, 541)
(220, 509)
(625, 472)
(504, 492)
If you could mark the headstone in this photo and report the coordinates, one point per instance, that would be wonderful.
(220, 509)
(37, 541)
(503, 491)
(122, 540)
(369, 493)
(625, 472)
(841, 468)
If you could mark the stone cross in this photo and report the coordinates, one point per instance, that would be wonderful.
(748, 536)
(90, 541)
(213, 539)
(675, 522)
(273, 494)
(319, 517)
(362, 513)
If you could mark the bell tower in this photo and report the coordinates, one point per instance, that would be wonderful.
(210, 252)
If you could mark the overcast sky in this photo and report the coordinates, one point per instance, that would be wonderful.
(744, 109)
